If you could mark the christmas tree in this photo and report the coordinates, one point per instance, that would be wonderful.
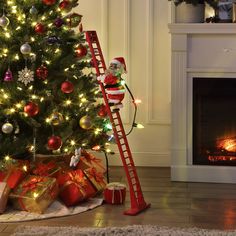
(49, 94)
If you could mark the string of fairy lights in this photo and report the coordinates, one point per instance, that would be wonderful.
(29, 105)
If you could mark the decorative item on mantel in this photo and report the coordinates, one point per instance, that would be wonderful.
(192, 11)
(225, 12)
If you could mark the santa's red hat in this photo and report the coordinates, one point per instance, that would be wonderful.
(119, 61)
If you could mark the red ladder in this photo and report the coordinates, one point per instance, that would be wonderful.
(138, 203)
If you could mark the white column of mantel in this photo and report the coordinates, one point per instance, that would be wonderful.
(179, 99)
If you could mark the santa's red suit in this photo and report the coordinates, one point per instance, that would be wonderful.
(114, 89)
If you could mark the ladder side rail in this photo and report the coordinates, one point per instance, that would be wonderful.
(133, 168)
(88, 33)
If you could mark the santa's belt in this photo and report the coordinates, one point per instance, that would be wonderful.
(113, 85)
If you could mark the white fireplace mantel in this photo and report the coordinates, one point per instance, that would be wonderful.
(197, 50)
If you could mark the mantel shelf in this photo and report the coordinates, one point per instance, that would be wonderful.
(202, 28)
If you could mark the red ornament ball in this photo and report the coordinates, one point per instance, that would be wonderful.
(102, 111)
(65, 5)
(31, 109)
(67, 87)
(49, 2)
(42, 72)
(81, 51)
(54, 142)
(39, 28)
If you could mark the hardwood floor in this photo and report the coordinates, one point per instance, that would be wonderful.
(180, 204)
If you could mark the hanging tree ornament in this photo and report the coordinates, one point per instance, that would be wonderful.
(73, 20)
(33, 10)
(54, 142)
(81, 51)
(8, 76)
(25, 76)
(65, 6)
(67, 87)
(25, 49)
(7, 128)
(4, 21)
(42, 72)
(58, 22)
(31, 109)
(53, 40)
(102, 111)
(49, 2)
(85, 122)
(39, 28)
(56, 118)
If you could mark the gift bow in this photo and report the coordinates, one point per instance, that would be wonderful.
(43, 169)
(98, 176)
(90, 158)
(77, 178)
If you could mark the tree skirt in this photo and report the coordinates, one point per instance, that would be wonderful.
(134, 230)
(56, 209)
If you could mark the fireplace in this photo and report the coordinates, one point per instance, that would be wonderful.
(203, 102)
(214, 121)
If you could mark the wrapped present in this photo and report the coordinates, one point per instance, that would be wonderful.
(50, 169)
(35, 194)
(97, 178)
(75, 187)
(13, 171)
(87, 160)
(115, 193)
(4, 194)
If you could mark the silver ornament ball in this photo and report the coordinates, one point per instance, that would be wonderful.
(25, 49)
(4, 21)
(7, 128)
(33, 10)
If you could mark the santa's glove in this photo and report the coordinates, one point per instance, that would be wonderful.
(101, 78)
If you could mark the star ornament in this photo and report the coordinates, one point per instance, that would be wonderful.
(25, 76)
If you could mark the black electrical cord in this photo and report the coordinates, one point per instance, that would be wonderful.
(135, 110)
(107, 166)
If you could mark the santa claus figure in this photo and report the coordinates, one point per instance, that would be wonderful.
(113, 83)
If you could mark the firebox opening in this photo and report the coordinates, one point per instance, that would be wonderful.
(214, 121)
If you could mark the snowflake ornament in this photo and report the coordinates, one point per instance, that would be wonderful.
(25, 76)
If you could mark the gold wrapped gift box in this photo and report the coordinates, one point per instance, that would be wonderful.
(35, 194)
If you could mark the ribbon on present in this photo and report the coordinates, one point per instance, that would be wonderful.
(92, 159)
(98, 176)
(29, 185)
(116, 186)
(77, 178)
(44, 169)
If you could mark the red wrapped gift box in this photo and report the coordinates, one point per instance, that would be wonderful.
(13, 171)
(115, 193)
(75, 187)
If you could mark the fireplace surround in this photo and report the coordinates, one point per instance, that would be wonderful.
(206, 51)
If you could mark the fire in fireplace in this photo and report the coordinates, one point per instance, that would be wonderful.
(214, 121)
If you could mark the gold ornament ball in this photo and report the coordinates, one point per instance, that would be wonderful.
(85, 122)
(56, 118)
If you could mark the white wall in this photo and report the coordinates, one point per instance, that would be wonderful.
(137, 30)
